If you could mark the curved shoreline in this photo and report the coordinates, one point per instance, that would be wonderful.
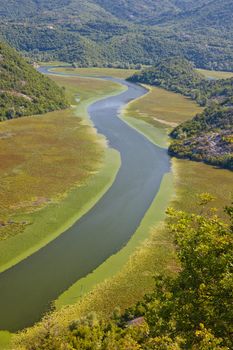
(108, 226)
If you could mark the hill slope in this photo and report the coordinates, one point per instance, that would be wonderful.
(24, 91)
(72, 30)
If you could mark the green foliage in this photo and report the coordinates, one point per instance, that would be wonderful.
(207, 137)
(24, 91)
(123, 32)
(190, 311)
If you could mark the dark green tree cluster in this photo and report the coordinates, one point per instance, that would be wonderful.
(24, 91)
(192, 310)
(207, 137)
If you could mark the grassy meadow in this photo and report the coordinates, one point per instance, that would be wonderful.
(161, 109)
(98, 72)
(160, 106)
(50, 165)
(215, 74)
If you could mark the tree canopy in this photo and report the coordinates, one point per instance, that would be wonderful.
(24, 91)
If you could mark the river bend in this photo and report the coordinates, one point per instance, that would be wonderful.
(27, 289)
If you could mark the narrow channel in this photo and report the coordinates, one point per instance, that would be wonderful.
(27, 289)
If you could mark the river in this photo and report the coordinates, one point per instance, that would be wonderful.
(28, 288)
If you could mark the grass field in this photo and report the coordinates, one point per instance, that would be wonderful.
(46, 163)
(215, 74)
(5, 339)
(97, 72)
(162, 108)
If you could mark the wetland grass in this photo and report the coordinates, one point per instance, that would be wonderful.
(215, 74)
(162, 107)
(99, 72)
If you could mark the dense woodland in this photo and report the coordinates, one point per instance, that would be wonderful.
(192, 310)
(207, 137)
(121, 33)
(24, 91)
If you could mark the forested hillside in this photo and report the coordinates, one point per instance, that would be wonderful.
(121, 32)
(208, 137)
(24, 91)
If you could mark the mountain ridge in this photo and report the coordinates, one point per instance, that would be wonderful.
(98, 32)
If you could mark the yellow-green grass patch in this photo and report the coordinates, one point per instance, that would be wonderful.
(192, 178)
(52, 220)
(88, 90)
(37, 154)
(54, 63)
(162, 108)
(157, 135)
(5, 340)
(215, 74)
(101, 72)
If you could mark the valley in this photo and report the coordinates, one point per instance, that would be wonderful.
(139, 251)
(116, 159)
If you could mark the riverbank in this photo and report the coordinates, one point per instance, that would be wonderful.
(98, 72)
